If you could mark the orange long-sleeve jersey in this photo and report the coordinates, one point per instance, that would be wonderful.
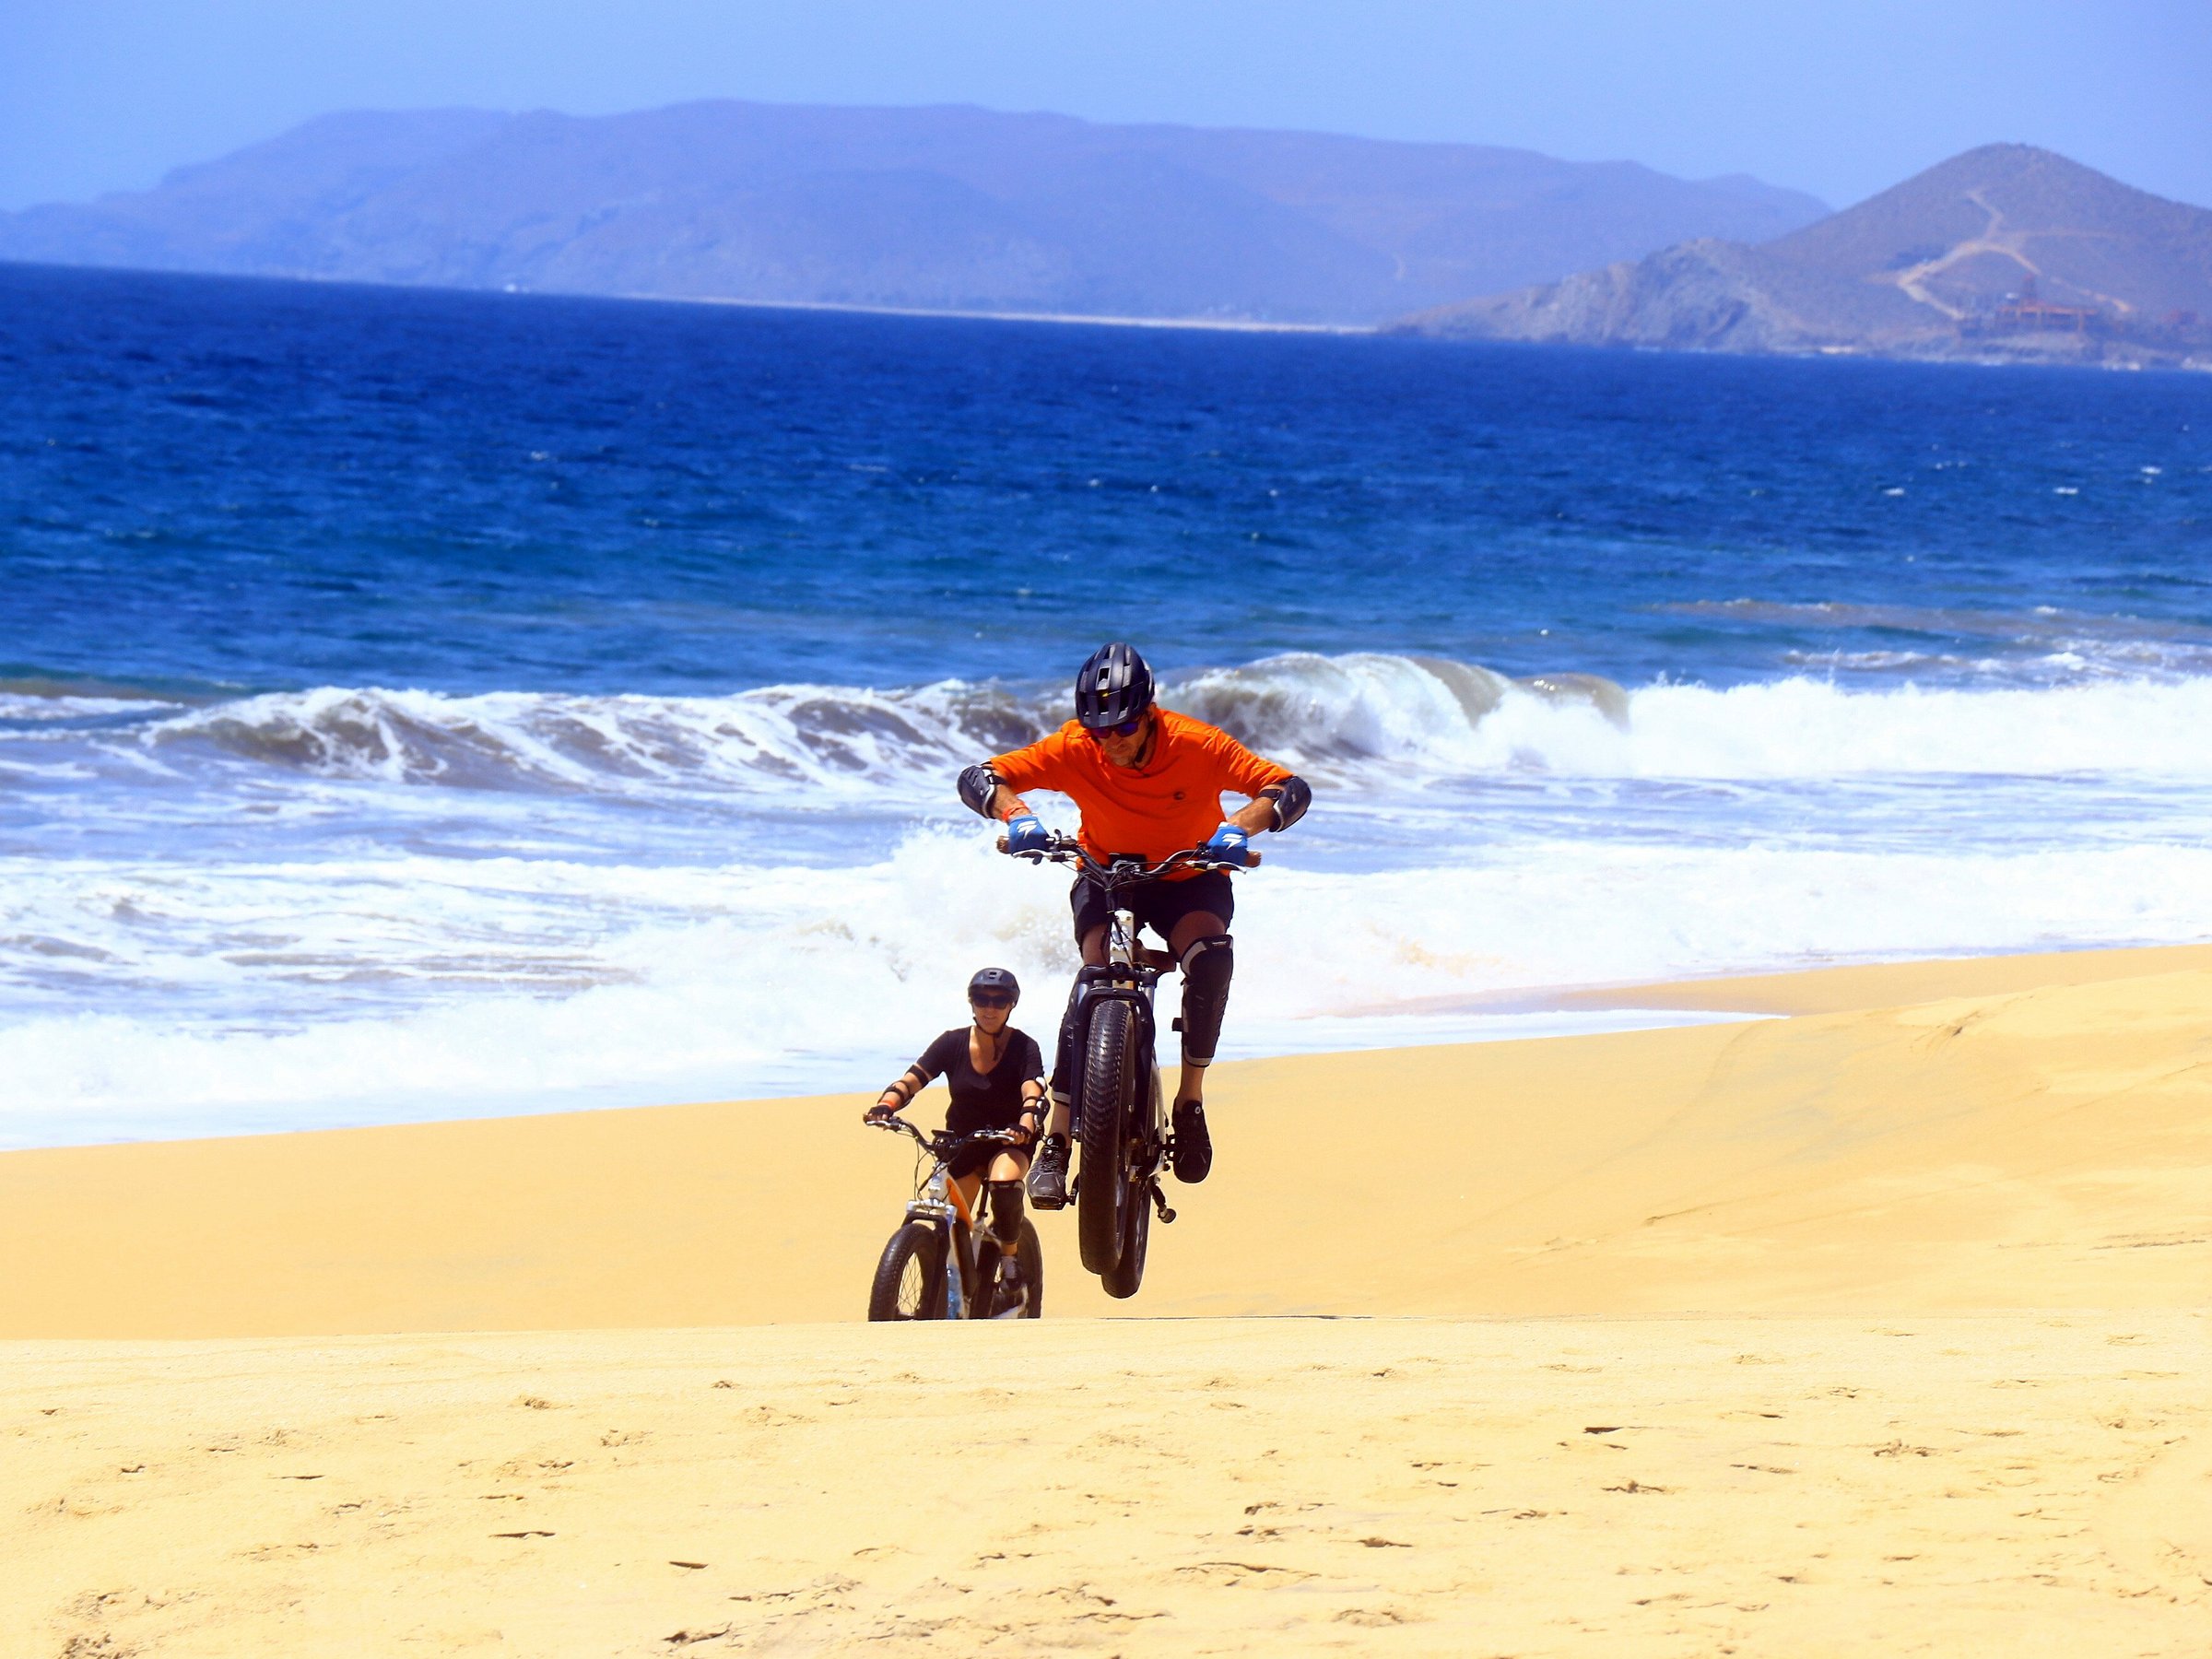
(1170, 801)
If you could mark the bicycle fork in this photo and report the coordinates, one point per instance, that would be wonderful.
(935, 1206)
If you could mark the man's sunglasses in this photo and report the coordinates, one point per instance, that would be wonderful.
(990, 1001)
(1128, 728)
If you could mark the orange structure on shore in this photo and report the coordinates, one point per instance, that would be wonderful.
(2027, 314)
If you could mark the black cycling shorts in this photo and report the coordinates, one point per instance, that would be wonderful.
(977, 1160)
(1158, 905)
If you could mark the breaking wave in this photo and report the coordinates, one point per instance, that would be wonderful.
(772, 741)
(1362, 718)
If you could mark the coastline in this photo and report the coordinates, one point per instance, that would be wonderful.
(1865, 1328)
(1219, 324)
(1711, 1167)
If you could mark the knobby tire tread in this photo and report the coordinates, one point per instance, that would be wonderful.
(915, 1238)
(1032, 1267)
(1109, 1087)
(983, 1303)
(1128, 1272)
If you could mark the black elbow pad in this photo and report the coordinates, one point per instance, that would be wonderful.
(1293, 795)
(978, 784)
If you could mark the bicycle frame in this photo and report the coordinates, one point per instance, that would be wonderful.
(938, 1203)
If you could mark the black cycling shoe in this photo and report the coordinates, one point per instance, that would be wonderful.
(1048, 1175)
(1013, 1288)
(1194, 1145)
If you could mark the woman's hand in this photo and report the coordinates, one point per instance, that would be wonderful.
(883, 1112)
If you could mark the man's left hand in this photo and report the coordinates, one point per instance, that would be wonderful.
(1228, 844)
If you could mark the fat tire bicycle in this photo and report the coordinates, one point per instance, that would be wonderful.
(1120, 1124)
(939, 1265)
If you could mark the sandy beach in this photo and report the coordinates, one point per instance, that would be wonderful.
(1876, 1326)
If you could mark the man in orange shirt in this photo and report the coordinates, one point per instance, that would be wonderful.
(1148, 781)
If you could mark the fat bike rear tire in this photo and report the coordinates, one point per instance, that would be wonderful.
(910, 1280)
(1032, 1270)
(1108, 1104)
(1025, 1298)
(1128, 1271)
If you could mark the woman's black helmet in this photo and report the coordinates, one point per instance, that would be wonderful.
(997, 980)
(1113, 688)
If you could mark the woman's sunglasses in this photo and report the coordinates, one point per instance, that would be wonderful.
(990, 1001)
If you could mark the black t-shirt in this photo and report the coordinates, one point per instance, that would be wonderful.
(982, 1100)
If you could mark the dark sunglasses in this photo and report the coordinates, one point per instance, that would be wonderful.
(1128, 728)
(990, 1002)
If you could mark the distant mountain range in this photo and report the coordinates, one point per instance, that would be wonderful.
(938, 210)
(2007, 253)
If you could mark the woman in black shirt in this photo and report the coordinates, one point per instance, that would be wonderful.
(996, 1074)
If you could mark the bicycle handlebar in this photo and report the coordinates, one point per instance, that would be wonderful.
(1067, 850)
(945, 1144)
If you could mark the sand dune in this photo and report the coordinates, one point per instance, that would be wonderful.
(1877, 1328)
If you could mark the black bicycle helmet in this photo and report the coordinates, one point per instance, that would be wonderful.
(1113, 688)
(995, 978)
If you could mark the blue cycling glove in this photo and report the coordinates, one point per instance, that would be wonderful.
(1228, 844)
(1025, 833)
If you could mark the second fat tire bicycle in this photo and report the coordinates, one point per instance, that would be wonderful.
(940, 1264)
(1120, 1124)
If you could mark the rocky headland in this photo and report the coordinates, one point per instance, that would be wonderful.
(2005, 254)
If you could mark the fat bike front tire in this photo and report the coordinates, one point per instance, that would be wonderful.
(910, 1280)
(1109, 1102)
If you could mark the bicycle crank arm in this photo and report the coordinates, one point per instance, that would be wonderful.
(1160, 1202)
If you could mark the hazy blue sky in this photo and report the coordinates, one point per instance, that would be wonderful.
(1839, 99)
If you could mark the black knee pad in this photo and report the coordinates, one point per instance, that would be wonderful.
(1207, 964)
(1005, 1211)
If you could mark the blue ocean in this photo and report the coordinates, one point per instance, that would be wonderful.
(415, 704)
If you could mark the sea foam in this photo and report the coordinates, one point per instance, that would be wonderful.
(551, 984)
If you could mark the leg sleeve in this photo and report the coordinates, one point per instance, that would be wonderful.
(1207, 966)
